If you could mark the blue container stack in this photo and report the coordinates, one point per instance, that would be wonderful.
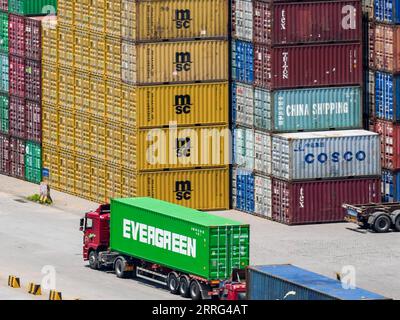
(382, 91)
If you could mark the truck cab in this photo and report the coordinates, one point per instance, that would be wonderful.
(96, 233)
(235, 288)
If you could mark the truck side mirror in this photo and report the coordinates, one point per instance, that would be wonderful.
(82, 223)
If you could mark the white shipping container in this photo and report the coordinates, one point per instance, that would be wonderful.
(243, 21)
(263, 195)
(263, 152)
(244, 148)
(325, 154)
(243, 104)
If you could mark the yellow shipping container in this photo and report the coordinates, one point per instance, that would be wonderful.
(66, 88)
(182, 148)
(65, 12)
(178, 62)
(82, 135)
(82, 51)
(49, 84)
(198, 189)
(66, 127)
(50, 125)
(82, 177)
(82, 92)
(65, 44)
(81, 17)
(51, 161)
(176, 19)
(50, 42)
(151, 20)
(192, 104)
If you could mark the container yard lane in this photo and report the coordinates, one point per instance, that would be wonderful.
(34, 237)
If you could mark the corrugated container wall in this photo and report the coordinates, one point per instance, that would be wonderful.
(308, 66)
(310, 22)
(387, 11)
(33, 7)
(387, 95)
(178, 62)
(320, 201)
(385, 47)
(274, 282)
(297, 110)
(325, 154)
(390, 186)
(389, 143)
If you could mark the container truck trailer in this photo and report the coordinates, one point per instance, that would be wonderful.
(191, 252)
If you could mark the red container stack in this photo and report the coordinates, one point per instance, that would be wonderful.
(24, 94)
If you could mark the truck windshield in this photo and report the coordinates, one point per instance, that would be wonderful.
(89, 223)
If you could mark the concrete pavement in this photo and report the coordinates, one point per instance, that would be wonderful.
(33, 236)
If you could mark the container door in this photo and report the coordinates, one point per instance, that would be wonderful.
(239, 248)
(229, 249)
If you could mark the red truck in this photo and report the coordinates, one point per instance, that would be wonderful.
(97, 250)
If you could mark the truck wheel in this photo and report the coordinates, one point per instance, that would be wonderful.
(184, 286)
(173, 283)
(397, 224)
(119, 267)
(93, 260)
(195, 290)
(381, 224)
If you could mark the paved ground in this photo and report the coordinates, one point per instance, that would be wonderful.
(33, 236)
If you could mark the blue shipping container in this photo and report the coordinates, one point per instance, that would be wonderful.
(245, 191)
(288, 282)
(243, 61)
(390, 186)
(387, 96)
(4, 81)
(387, 11)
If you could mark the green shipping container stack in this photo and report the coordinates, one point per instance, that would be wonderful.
(3, 32)
(33, 162)
(32, 7)
(4, 111)
(179, 238)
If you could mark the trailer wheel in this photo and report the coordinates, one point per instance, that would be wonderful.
(397, 224)
(195, 290)
(93, 260)
(119, 268)
(184, 286)
(173, 283)
(381, 224)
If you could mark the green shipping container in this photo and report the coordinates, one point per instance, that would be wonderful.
(4, 112)
(32, 7)
(33, 162)
(4, 32)
(179, 238)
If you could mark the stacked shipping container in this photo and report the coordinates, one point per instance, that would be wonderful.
(383, 33)
(116, 74)
(297, 66)
(20, 89)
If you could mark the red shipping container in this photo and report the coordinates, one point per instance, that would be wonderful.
(17, 157)
(386, 47)
(307, 66)
(16, 35)
(17, 116)
(17, 76)
(33, 38)
(4, 5)
(309, 22)
(4, 154)
(320, 201)
(33, 121)
(390, 143)
(33, 80)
